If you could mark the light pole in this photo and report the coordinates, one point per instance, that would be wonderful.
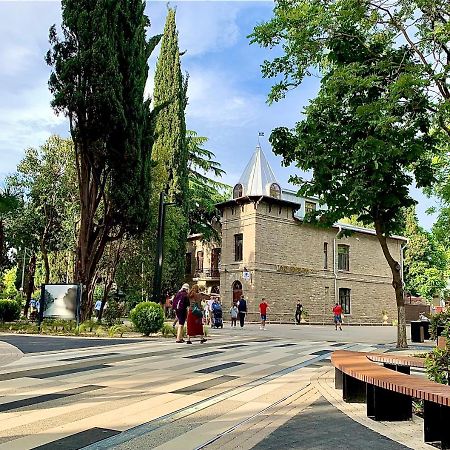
(23, 268)
(157, 280)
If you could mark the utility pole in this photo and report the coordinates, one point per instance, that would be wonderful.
(157, 280)
(23, 267)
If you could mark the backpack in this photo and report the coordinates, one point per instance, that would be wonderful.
(196, 311)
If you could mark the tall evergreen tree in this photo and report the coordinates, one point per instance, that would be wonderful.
(98, 80)
(170, 152)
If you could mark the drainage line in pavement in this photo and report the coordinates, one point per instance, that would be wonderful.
(248, 419)
(166, 419)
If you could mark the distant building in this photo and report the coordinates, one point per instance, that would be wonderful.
(268, 251)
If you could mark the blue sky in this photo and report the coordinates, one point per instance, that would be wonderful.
(227, 95)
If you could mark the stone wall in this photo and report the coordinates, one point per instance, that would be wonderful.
(286, 261)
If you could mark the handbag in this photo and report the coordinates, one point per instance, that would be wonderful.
(197, 312)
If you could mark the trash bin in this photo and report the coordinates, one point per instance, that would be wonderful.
(417, 331)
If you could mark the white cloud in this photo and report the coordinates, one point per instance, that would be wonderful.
(26, 120)
(203, 27)
(216, 98)
(218, 30)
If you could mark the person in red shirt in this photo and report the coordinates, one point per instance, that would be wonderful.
(263, 311)
(337, 311)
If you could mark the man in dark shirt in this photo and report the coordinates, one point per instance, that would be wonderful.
(242, 308)
(298, 312)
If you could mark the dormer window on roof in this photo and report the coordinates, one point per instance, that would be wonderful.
(275, 190)
(237, 191)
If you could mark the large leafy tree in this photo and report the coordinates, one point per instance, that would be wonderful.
(8, 204)
(98, 80)
(366, 135)
(46, 182)
(425, 260)
(170, 152)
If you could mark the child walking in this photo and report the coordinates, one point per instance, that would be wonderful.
(234, 311)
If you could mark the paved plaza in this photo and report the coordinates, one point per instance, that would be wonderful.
(243, 389)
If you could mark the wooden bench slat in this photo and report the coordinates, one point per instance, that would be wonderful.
(410, 361)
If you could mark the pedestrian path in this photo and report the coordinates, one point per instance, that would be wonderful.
(156, 394)
(8, 354)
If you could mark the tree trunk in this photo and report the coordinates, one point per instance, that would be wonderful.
(3, 255)
(397, 284)
(30, 283)
(93, 236)
(46, 265)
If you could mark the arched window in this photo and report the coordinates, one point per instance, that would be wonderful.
(237, 290)
(275, 190)
(237, 191)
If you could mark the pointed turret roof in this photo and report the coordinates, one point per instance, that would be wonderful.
(258, 175)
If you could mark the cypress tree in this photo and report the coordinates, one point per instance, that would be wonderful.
(170, 153)
(98, 80)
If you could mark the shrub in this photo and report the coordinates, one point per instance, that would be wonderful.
(147, 317)
(9, 310)
(168, 330)
(437, 362)
(113, 312)
(117, 330)
(438, 320)
(87, 325)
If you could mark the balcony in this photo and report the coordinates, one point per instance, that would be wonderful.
(207, 274)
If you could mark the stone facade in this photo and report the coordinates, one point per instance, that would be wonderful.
(285, 259)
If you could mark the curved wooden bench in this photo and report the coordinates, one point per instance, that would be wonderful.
(389, 393)
(390, 360)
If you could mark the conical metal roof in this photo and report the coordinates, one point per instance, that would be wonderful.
(258, 175)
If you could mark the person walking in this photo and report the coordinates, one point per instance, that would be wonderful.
(263, 311)
(97, 308)
(298, 313)
(234, 311)
(337, 312)
(242, 308)
(180, 305)
(195, 315)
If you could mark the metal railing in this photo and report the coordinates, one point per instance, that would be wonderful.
(207, 273)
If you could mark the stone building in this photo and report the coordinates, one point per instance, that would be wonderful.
(268, 251)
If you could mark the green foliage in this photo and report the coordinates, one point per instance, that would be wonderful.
(8, 287)
(9, 310)
(168, 330)
(98, 81)
(425, 260)
(204, 192)
(441, 319)
(117, 330)
(8, 204)
(113, 312)
(170, 152)
(367, 134)
(437, 365)
(22, 326)
(88, 325)
(147, 317)
(55, 326)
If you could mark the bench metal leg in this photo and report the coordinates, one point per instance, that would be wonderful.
(401, 369)
(337, 378)
(436, 423)
(353, 390)
(383, 404)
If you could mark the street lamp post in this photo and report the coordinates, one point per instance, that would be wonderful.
(157, 280)
(23, 267)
